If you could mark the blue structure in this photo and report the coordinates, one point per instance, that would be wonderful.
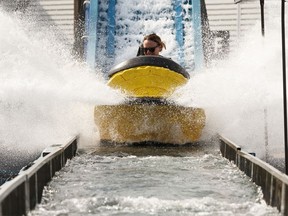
(110, 48)
(198, 37)
(179, 31)
(91, 20)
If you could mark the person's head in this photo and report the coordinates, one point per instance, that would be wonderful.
(152, 44)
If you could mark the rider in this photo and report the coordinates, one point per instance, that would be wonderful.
(151, 45)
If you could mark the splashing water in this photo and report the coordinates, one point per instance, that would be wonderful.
(46, 96)
(242, 96)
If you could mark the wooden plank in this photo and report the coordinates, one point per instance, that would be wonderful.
(56, 12)
(58, 7)
(52, 2)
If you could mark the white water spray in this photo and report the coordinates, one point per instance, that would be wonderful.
(45, 95)
(242, 96)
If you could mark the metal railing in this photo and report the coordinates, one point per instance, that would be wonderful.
(21, 194)
(274, 184)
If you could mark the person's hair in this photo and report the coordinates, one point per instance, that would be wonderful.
(154, 37)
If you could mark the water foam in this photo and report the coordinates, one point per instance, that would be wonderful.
(242, 96)
(45, 94)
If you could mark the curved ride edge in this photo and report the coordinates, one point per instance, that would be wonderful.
(158, 61)
(140, 123)
(147, 81)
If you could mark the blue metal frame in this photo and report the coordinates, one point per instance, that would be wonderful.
(86, 6)
(197, 29)
(110, 48)
(179, 31)
(91, 20)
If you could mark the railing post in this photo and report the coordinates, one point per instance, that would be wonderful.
(27, 195)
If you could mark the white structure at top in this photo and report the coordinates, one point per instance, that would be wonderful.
(222, 15)
(235, 18)
(58, 14)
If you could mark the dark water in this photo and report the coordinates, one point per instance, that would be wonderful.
(11, 164)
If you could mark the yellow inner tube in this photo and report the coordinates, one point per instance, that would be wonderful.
(147, 81)
(158, 123)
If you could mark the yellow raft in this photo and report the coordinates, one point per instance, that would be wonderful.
(147, 117)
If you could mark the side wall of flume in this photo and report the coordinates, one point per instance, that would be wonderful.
(21, 194)
(274, 184)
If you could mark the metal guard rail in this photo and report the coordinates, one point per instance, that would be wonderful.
(274, 184)
(21, 194)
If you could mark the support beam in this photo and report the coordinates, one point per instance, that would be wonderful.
(179, 31)
(284, 84)
(197, 29)
(110, 48)
(91, 20)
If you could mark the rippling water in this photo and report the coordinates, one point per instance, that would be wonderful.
(167, 181)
